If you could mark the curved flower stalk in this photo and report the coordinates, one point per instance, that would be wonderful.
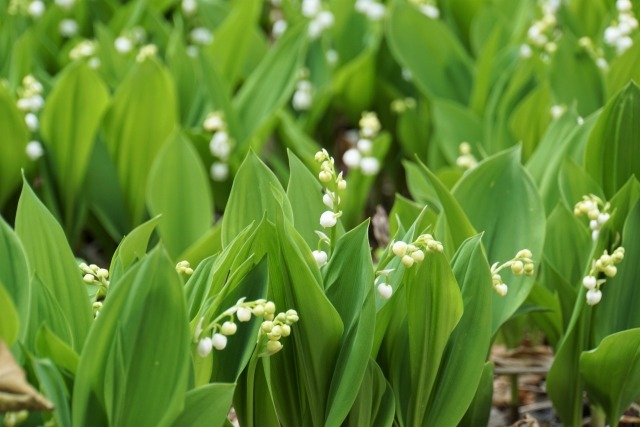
(521, 264)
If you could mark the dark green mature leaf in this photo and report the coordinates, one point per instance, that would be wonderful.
(462, 364)
(614, 144)
(611, 373)
(269, 87)
(141, 117)
(427, 47)
(480, 409)
(14, 141)
(501, 199)
(137, 354)
(374, 405)
(434, 307)
(206, 406)
(455, 123)
(14, 272)
(51, 259)
(179, 190)
(9, 320)
(132, 248)
(70, 120)
(255, 191)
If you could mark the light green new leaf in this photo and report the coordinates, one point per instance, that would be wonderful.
(614, 144)
(9, 321)
(427, 47)
(206, 406)
(463, 361)
(132, 248)
(434, 307)
(14, 140)
(253, 194)
(141, 117)
(14, 272)
(137, 354)
(611, 373)
(49, 345)
(70, 120)
(501, 200)
(51, 259)
(179, 191)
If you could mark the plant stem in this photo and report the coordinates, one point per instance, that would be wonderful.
(515, 398)
(251, 372)
(598, 417)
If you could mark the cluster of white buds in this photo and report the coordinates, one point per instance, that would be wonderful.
(184, 267)
(30, 102)
(147, 51)
(215, 333)
(94, 275)
(382, 285)
(605, 264)
(521, 264)
(590, 206)
(466, 160)
(620, 33)
(359, 156)
(303, 96)
(320, 19)
(372, 9)
(542, 33)
(220, 145)
(428, 8)
(413, 252)
(86, 49)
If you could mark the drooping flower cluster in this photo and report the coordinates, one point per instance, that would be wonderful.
(466, 160)
(543, 32)
(30, 101)
(521, 264)
(99, 277)
(334, 187)
(428, 8)
(320, 19)
(86, 49)
(273, 328)
(606, 264)
(359, 156)
(184, 267)
(620, 33)
(590, 206)
(220, 145)
(372, 9)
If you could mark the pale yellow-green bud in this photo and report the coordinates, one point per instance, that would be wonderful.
(528, 269)
(407, 261)
(274, 346)
(266, 326)
(292, 316)
(286, 330)
(517, 267)
(610, 270)
(417, 255)
(270, 307)
(258, 310)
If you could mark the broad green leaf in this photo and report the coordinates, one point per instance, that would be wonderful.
(354, 83)
(623, 69)
(434, 307)
(9, 320)
(137, 354)
(209, 243)
(53, 386)
(206, 406)
(462, 364)
(480, 409)
(501, 200)
(453, 124)
(268, 88)
(614, 143)
(420, 187)
(427, 47)
(51, 259)
(574, 182)
(70, 120)
(14, 272)
(46, 309)
(49, 345)
(405, 212)
(141, 117)
(374, 405)
(132, 248)
(178, 190)
(253, 194)
(14, 141)
(611, 373)
(530, 118)
(295, 139)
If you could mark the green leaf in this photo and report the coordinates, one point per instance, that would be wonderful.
(53, 386)
(9, 321)
(206, 406)
(49, 345)
(132, 248)
(405, 212)
(256, 191)
(501, 199)
(623, 69)
(141, 117)
(427, 47)
(179, 190)
(14, 272)
(14, 141)
(614, 143)
(574, 182)
(51, 259)
(70, 120)
(455, 123)
(45, 309)
(611, 373)
(374, 405)
(137, 354)
(434, 307)
(480, 409)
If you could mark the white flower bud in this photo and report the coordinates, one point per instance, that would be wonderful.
(417, 255)
(342, 184)
(623, 43)
(384, 290)
(557, 111)
(213, 122)
(205, 346)
(219, 145)
(302, 99)
(102, 273)
(407, 261)
(623, 5)
(34, 150)
(501, 289)
(369, 166)
(517, 268)
(68, 27)
(285, 330)
(524, 253)
(32, 122)
(36, 8)
(244, 314)
(123, 45)
(324, 176)
(201, 36)
(320, 257)
(327, 200)
(219, 341)
(274, 346)
(351, 158)
(375, 11)
(328, 219)
(269, 307)
(594, 296)
(430, 11)
(589, 282)
(603, 217)
(228, 328)
(594, 225)
(610, 270)
(219, 171)
(310, 8)
(279, 27)
(365, 145)
(65, 4)
(525, 51)
(291, 316)
(189, 7)
(88, 278)
(399, 248)
(595, 234)
(332, 57)
(325, 19)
